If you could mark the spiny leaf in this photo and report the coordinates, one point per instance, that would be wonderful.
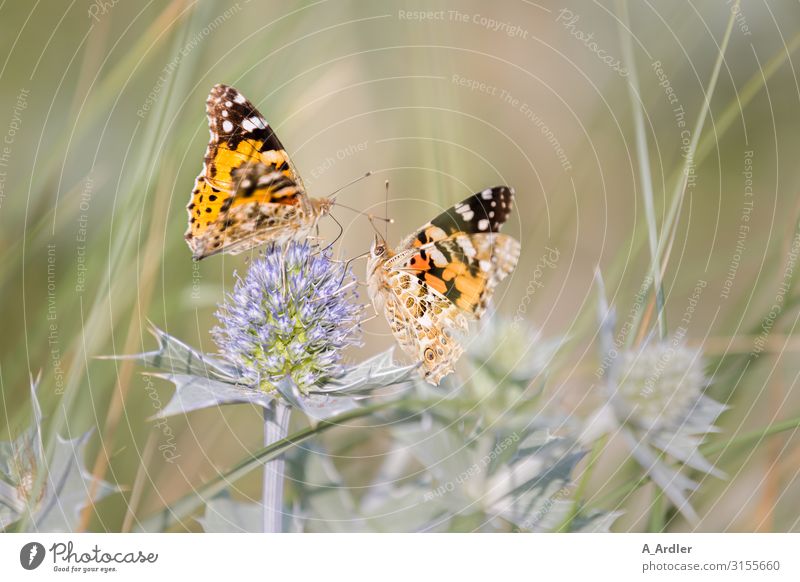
(176, 357)
(377, 372)
(46, 496)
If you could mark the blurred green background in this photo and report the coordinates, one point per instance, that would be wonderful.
(103, 126)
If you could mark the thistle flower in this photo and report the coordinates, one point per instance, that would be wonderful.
(50, 494)
(292, 315)
(659, 386)
(655, 401)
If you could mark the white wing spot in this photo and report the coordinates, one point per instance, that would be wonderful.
(247, 125)
(227, 126)
(438, 258)
(239, 98)
(465, 211)
(483, 224)
(258, 122)
(486, 194)
(224, 113)
(228, 104)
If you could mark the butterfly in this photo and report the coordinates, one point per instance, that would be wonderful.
(249, 191)
(441, 276)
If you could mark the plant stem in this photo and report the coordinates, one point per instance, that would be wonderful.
(689, 165)
(167, 517)
(643, 157)
(658, 510)
(276, 428)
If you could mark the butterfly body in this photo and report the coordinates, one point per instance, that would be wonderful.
(249, 191)
(442, 276)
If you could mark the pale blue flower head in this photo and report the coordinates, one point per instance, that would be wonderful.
(292, 315)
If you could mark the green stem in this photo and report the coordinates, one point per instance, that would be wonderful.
(643, 157)
(690, 163)
(186, 505)
(276, 427)
(754, 435)
(657, 512)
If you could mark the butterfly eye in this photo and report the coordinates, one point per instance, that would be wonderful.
(379, 250)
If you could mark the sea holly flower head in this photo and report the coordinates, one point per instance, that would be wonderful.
(655, 400)
(658, 385)
(292, 315)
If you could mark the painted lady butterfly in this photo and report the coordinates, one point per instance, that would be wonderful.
(442, 275)
(249, 191)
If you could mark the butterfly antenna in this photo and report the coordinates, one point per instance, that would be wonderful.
(332, 195)
(372, 220)
(371, 217)
(386, 208)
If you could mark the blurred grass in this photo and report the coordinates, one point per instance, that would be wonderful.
(332, 74)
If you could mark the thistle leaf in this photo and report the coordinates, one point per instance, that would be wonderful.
(377, 372)
(197, 392)
(68, 487)
(670, 480)
(178, 358)
(51, 495)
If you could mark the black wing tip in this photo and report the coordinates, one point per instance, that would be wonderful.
(492, 207)
(503, 192)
